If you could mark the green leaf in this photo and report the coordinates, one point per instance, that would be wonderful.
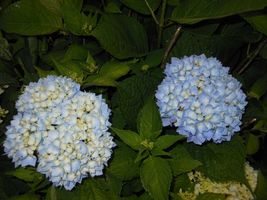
(209, 196)
(261, 191)
(140, 5)
(166, 141)
(44, 73)
(26, 197)
(182, 161)
(4, 49)
(108, 74)
(129, 137)
(257, 20)
(149, 123)
(121, 36)
(112, 8)
(133, 92)
(6, 79)
(258, 89)
(77, 22)
(70, 69)
(221, 162)
(156, 177)
(191, 11)
(154, 58)
(261, 126)
(18, 18)
(26, 174)
(252, 144)
(123, 165)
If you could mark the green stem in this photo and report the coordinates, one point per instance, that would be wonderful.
(152, 13)
(161, 22)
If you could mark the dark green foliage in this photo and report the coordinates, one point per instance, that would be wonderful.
(115, 48)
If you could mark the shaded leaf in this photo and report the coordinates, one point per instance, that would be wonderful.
(186, 12)
(252, 144)
(129, 137)
(121, 36)
(149, 123)
(258, 21)
(140, 5)
(18, 18)
(156, 177)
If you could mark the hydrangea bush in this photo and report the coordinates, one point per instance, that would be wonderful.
(132, 99)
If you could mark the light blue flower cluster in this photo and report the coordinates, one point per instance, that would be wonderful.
(62, 130)
(201, 99)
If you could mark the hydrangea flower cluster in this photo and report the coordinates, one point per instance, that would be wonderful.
(62, 130)
(201, 99)
(233, 190)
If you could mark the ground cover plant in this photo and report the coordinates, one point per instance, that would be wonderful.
(133, 99)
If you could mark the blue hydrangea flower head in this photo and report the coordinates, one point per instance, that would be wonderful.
(201, 99)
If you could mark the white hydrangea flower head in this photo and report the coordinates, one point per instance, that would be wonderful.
(201, 99)
(67, 140)
(77, 143)
(45, 93)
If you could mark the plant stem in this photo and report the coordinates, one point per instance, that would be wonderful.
(152, 13)
(170, 45)
(251, 57)
(161, 22)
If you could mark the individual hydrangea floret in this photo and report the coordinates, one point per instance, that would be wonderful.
(67, 140)
(201, 99)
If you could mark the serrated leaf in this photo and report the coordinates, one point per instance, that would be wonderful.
(133, 92)
(261, 192)
(182, 165)
(18, 18)
(261, 126)
(258, 89)
(252, 144)
(25, 197)
(121, 36)
(149, 123)
(186, 12)
(166, 141)
(123, 165)
(156, 177)
(26, 174)
(257, 20)
(221, 162)
(140, 5)
(182, 161)
(108, 74)
(129, 137)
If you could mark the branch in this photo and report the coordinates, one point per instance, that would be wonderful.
(152, 13)
(161, 22)
(252, 57)
(170, 45)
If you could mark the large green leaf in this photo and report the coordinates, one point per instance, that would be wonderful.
(156, 177)
(129, 137)
(122, 165)
(133, 92)
(140, 5)
(221, 162)
(121, 36)
(29, 17)
(182, 161)
(25, 197)
(108, 74)
(26, 174)
(253, 144)
(149, 121)
(261, 191)
(258, 21)
(166, 141)
(258, 89)
(193, 11)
